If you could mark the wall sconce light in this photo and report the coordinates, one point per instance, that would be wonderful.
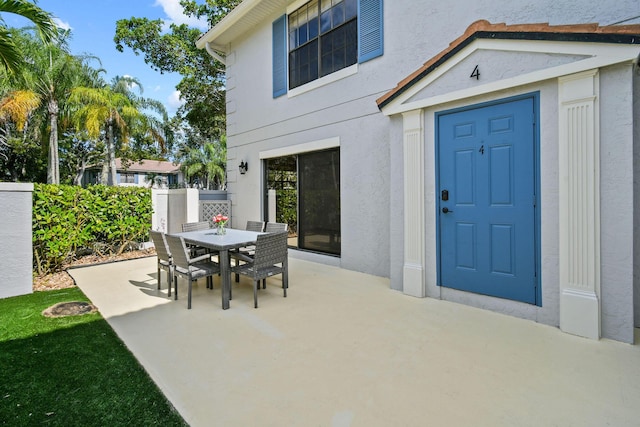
(244, 167)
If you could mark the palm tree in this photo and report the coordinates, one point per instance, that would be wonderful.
(116, 111)
(207, 163)
(103, 109)
(10, 56)
(51, 74)
(17, 106)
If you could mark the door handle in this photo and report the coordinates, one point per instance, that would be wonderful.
(446, 210)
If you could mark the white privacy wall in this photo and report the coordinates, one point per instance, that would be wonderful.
(16, 255)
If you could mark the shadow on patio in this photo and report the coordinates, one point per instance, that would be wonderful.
(344, 350)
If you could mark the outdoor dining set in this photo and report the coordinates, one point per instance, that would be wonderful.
(199, 251)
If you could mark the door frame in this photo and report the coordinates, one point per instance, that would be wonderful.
(535, 96)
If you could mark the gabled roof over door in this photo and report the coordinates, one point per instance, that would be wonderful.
(508, 56)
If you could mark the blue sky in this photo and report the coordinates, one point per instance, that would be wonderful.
(93, 24)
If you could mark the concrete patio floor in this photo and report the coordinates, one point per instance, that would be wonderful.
(344, 350)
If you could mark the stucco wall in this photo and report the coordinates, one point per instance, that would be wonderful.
(636, 198)
(16, 255)
(617, 206)
(371, 154)
(364, 176)
(414, 32)
(616, 201)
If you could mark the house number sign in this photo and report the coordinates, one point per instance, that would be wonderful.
(475, 73)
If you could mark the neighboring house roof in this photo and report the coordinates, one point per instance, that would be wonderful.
(148, 166)
(627, 34)
(145, 166)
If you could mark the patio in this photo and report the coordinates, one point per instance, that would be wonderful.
(344, 350)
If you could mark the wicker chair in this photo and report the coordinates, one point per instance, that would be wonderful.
(276, 227)
(246, 254)
(255, 226)
(196, 226)
(270, 259)
(249, 250)
(165, 262)
(190, 268)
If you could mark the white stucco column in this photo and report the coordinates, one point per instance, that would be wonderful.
(413, 162)
(192, 205)
(579, 216)
(16, 238)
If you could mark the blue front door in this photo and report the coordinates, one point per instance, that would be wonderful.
(487, 192)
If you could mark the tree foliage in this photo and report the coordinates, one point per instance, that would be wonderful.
(206, 163)
(47, 134)
(118, 112)
(10, 55)
(34, 100)
(202, 84)
(49, 131)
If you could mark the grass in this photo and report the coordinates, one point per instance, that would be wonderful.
(71, 370)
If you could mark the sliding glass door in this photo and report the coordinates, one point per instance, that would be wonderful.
(307, 189)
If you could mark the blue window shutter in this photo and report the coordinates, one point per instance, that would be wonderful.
(370, 31)
(280, 56)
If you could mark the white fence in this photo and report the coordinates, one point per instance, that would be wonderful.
(172, 208)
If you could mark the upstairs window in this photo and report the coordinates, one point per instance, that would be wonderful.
(323, 38)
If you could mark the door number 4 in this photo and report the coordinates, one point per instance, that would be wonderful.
(475, 73)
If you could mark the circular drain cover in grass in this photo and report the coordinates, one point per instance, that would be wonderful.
(73, 308)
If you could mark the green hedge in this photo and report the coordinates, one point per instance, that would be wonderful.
(71, 220)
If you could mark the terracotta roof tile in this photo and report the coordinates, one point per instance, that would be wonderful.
(542, 31)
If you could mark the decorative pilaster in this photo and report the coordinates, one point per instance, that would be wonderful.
(579, 193)
(413, 162)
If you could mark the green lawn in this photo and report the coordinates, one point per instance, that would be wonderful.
(71, 371)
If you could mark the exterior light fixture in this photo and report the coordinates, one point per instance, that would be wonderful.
(244, 167)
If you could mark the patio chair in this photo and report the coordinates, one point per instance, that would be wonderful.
(246, 254)
(270, 259)
(275, 227)
(270, 227)
(190, 268)
(165, 262)
(249, 250)
(255, 226)
(196, 226)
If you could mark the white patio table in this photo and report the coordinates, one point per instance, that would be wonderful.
(232, 239)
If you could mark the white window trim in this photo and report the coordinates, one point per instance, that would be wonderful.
(322, 81)
(321, 144)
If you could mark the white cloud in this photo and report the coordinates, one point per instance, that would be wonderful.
(173, 10)
(174, 100)
(132, 85)
(60, 24)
